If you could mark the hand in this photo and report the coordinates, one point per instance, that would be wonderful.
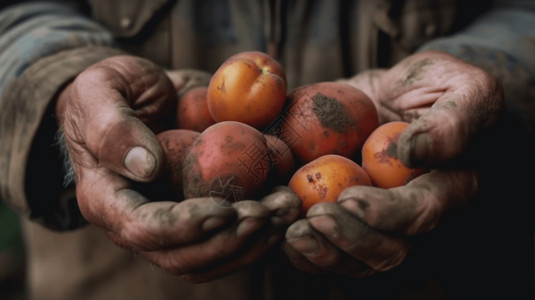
(105, 114)
(186, 79)
(448, 103)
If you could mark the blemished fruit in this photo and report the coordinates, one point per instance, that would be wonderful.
(379, 157)
(192, 110)
(249, 87)
(228, 160)
(323, 179)
(327, 118)
(176, 143)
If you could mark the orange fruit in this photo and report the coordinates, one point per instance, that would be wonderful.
(323, 179)
(249, 87)
(379, 157)
(327, 118)
(228, 160)
(282, 160)
(175, 143)
(192, 110)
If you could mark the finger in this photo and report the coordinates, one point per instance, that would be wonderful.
(311, 244)
(310, 251)
(283, 204)
(136, 223)
(299, 261)
(466, 101)
(379, 251)
(222, 251)
(255, 247)
(106, 115)
(414, 208)
(368, 82)
(186, 79)
(247, 255)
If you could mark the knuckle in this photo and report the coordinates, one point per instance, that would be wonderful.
(427, 214)
(391, 261)
(251, 208)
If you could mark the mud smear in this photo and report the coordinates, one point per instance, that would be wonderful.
(331, 113)
(415, 71)
(386, 155)
(392, 150)
(192, 178)
(164, 217)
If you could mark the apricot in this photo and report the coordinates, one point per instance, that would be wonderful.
(380, 160)
(249, 87)
(282, 161)
(324, 178)
(327, 118)
(228, 160)
(192, 110)
(175, 143)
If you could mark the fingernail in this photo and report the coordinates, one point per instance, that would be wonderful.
(305, 245)
(248, 226)
(140, 162)
(420, 146)
(212, 223)
(324, 224)
(356, 206)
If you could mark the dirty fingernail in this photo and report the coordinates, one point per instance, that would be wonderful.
(356, 206)
(420, 148)
(324, 224)
(212, 223)
(140, 162)
(305, 245)
(248, 226)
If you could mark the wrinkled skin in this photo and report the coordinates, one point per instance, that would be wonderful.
(449, 103)
(110, 145)
(105, 114)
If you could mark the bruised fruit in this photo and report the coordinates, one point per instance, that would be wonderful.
(228, 160)
(327, 118)
(323, 179)
(380, 160)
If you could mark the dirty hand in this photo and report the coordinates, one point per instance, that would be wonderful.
(105, 114)
(448, 103)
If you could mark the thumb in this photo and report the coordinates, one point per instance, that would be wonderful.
(441, 134)
(105, 117)
(130, 148)
(470, 103)
(118, 140)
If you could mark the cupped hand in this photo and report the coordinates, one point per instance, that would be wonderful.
(106, 114)
(449, 103)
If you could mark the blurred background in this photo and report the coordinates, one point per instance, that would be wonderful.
(12, 263)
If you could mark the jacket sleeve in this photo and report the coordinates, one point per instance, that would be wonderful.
(502, 42)
(42, 47)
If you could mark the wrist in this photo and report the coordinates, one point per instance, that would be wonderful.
(368, 82)
(61, 102)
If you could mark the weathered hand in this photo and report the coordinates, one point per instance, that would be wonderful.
(105, 114)
(449, 103)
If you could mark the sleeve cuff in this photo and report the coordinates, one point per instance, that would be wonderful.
(31, 177)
